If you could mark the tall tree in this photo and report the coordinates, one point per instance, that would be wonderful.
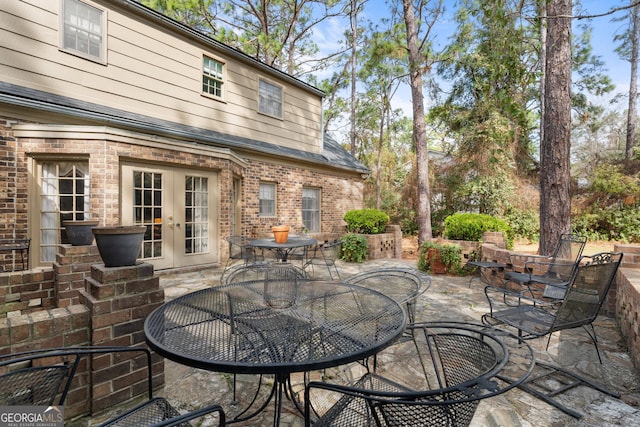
(555, 175)
(492, 70)
(276, 32)
(420, 58)
(383, 70)
(630, 52)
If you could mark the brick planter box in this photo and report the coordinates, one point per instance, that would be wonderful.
(385, 245)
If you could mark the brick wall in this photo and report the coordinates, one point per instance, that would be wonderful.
(23, 292)
(110, 311)
(13, 196)
(340, 190)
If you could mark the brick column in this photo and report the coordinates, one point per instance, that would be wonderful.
(119, 299)
(72, 266)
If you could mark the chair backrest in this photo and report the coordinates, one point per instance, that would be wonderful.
(331, 250)
(258, 271)
(43, 377)
(36, 379)
(402, 284)
(239, 247)
(566, 255)
(587, 290)
(457, 365)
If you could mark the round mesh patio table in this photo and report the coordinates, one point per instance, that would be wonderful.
(233, 329)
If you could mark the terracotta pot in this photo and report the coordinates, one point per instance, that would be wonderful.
(435, 262)
(79, 232)
(281, 233)
(119, 246)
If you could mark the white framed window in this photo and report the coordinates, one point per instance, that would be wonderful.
(63, 195)
(267, 199)
(311, 209)
(83, 30)
(269, 98)
(212, 77)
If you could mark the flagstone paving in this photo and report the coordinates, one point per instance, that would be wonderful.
(448, 298)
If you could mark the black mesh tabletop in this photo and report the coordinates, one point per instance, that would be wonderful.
(232, 329)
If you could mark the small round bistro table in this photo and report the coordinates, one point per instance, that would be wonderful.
(283, 250)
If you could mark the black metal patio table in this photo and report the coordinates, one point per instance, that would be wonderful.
(232, 329)
(283, 249)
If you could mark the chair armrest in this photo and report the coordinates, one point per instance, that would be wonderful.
(175, 421)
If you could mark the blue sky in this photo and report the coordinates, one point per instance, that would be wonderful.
(603, 30)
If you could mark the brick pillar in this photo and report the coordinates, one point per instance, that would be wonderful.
(72, 266)
(119, 299)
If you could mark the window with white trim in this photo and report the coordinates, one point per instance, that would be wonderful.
(64, 195)
(267, 199)
(83, 29)
(212, 77)
(311, 209)
(269, 98)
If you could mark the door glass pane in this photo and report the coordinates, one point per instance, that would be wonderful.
(147, 210)
(196, 215)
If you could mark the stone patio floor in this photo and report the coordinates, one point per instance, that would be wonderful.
(448, 298)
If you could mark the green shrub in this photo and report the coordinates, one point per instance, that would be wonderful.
(354, 248)
(471, 226)
(450, 255)
(366, 221)
(524, 224)
(619, 223)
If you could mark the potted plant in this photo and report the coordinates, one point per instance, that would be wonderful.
(281, 233)
(440, 258)
(79, 232)
(119, 246)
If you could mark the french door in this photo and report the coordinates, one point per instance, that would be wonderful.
(179, 207)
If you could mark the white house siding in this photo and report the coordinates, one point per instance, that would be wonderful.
(153, 71)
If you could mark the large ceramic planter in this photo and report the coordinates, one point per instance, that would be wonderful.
(79, 232)
(119, 246)
(281, 233)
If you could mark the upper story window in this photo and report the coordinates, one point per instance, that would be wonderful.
(212, 77)
(270, 99)
(83, 29)
(267, 198)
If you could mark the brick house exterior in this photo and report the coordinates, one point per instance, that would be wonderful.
(84, 126)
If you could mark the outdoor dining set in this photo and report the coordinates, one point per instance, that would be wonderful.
(273, 316)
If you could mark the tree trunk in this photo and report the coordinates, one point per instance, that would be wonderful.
(555, 177)
(632, 113)
(543, 61)
(419, 123)
(354, 71)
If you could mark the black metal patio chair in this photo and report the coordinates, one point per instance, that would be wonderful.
(555, 269)
(553, 272)
(325, 255)
(404, 285)
(258, 271)
(239, 250)
(436, 379)
(582, 301)
(44, 378)
(532, 318)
